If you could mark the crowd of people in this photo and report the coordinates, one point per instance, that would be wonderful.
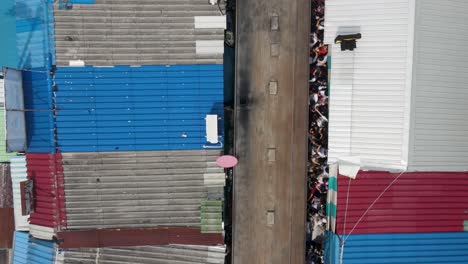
(318, 138)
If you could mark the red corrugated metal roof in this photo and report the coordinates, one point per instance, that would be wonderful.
(47, 173)
(137, 237)
(416, 202)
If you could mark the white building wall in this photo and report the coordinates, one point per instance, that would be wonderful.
(439, 131)
(371, 87)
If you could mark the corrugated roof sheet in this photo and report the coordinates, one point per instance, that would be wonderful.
(116, 32)
(46, 172)
(137, 108)
(42, 232)
(2, 93)
(4, 156)
(438, 135)
(368, 86)
(447, 248)
(34, 33)
(416, 202)
(29, 250)
(138, 236)
(18, 174)
(212, 216)
(171, 254)
(38, 98)
(138, 189)
(20, 248)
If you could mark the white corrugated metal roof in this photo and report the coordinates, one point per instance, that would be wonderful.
(439, 132)
(18, 174)
(369, 99)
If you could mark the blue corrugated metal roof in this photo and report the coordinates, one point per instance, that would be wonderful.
(38, 97)
(36, 53)
(41, 251)
(28, 250)
(332, 249)
(34, 33)
(127, 108)
(447, 248)
(20, 248)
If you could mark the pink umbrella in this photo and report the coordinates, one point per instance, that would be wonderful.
(227, 161)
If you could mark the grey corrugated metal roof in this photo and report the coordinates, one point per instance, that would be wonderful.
(4, 156)
(138, 189)
(115, 32)
(171, 254)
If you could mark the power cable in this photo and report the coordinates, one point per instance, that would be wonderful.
(373, 203)
(343, 241)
